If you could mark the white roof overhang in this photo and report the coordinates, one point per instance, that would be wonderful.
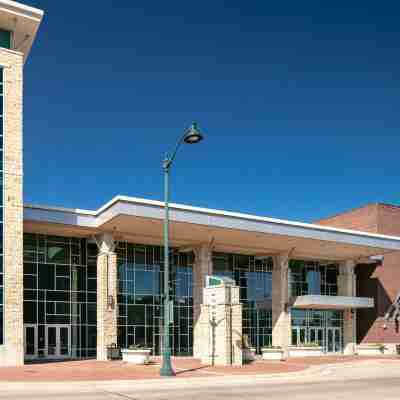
(331, 302)
(141, 220)
(23, 21)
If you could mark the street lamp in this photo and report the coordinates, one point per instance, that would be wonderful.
(190, 136)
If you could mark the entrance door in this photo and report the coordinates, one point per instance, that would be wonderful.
(298, 336)
(333, 340)
(58, 341)
(317, 336)
(30, 341)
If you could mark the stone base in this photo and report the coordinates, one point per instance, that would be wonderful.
(304, 351)
(10, 358)
(369, 349)
(273, 354)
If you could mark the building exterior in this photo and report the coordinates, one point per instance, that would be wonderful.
(379, 280)
(74, 282)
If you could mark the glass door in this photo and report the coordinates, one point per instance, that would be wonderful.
(58, 341)
(30, 341)
(298, 336)
(317, 336)
(334, 340)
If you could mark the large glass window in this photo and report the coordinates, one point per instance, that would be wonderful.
(5, 39)
(311, 277)
(60, 289)
(140, 288)
(254, 277)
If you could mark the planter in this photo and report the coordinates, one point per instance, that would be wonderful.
(138, 356)
(249, 354)
(369, 350)
(305, 351)
(270, 353)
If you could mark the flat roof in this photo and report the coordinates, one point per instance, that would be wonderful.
(140, 220)
(23, 21)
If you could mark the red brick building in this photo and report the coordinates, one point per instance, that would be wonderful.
(380, 280)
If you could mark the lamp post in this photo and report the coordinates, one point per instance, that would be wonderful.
(190, 136)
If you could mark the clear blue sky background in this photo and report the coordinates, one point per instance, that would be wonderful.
(299, 102)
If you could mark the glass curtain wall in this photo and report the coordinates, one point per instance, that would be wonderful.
(140, 288)
(312, 277)
(323, 327)
(60, 294)
(254, 277)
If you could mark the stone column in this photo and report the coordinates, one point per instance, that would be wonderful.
(220, 326)
(281, 318)
(107, 284)
(12, 350)
(202, 268)
(347, 287)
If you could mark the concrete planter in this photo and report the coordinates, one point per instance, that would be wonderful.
(305, 351)
(249, 354)
(369, 350)
(137, 356)
(269, 353)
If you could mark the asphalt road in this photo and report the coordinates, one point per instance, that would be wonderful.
(350, 382)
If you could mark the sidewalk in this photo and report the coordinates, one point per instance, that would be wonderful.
(91, 370)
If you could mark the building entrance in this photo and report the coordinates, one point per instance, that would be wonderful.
(330, 339)
(58, 341)
(334, 340)
(318, 326)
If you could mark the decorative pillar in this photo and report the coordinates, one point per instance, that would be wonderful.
(107, 284)
(220, 326)
(12, 347)
(347, 287)
(202, 268)
(281, 318)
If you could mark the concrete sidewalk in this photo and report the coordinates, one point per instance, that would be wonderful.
(353, 379)
(90, 370)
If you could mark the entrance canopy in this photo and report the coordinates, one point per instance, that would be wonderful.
(331, 302)
(140, 221)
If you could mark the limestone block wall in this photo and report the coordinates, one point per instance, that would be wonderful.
(202, 268)
(12, 351)
(347, 287)
(281, 318)
(220, 327)
(106, 302)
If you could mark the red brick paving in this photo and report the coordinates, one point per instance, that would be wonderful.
(90, 370)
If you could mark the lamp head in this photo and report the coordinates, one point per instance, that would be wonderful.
(193, 135)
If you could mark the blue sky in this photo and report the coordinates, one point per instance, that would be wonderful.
(299, 103)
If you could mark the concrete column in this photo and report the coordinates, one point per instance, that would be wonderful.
(202, 268)
(12, 349)
(220, 326)
(107, 284)
(347, 287)
(281, 319)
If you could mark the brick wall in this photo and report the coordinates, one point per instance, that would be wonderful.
(379, 281)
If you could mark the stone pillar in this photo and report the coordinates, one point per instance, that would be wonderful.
(347, 287)
(202, 268)
(220, 326)
(281, 318)
(107, 284)
(12, 350)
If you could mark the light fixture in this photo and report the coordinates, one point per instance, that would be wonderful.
(193, 135)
